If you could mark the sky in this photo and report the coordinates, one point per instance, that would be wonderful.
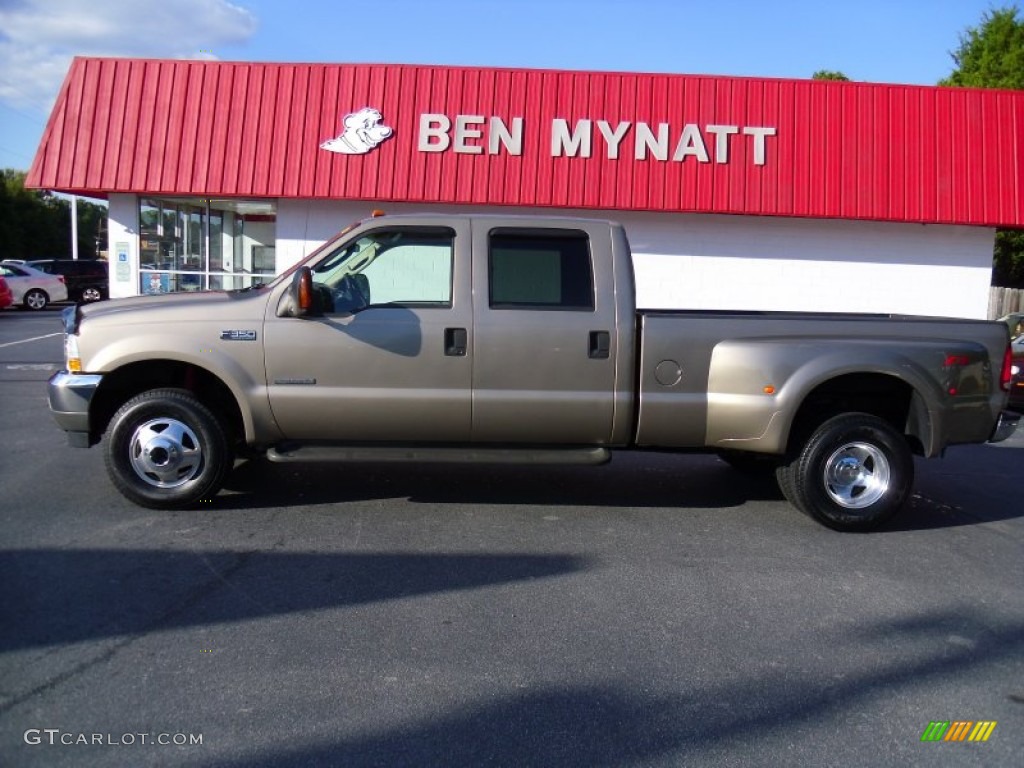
(887, 41)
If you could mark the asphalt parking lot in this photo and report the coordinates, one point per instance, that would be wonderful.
(657, 611)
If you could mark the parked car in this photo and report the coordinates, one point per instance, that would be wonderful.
(1017, 371)
(5, 294)
(32, 288)
(86, 279)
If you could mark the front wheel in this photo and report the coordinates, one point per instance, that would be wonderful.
(854, 473)
(166, 450)
(36, 299)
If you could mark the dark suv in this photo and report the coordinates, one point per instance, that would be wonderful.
(86, 279)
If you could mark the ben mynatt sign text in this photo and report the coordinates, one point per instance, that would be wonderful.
(477, 135)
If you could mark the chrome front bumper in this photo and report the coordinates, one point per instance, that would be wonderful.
(70, 395)
(1005, 427)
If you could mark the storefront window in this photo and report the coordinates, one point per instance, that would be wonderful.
(216, 241)
(191, 245)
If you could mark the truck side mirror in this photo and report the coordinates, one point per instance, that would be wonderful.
(302, 287)
(303, 299)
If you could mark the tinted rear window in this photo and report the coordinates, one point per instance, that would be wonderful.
(540, 269)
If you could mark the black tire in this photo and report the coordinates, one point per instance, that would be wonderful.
(35, 300)
(854, 473)
(166, 450)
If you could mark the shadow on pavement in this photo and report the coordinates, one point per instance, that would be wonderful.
(54, 597)
(631, 480)
(948, 492)
(973, 484)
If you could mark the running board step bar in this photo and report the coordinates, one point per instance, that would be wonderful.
(438, 455)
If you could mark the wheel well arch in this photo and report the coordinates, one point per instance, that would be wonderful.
(884, 395)
(124, 383)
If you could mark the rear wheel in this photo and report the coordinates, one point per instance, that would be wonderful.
(853, 473)
(36, 299)
(91, 293)
(166, 450)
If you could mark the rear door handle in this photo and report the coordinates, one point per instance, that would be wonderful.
(600, 345)
(455, 342)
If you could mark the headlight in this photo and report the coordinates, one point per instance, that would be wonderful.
(72, 362)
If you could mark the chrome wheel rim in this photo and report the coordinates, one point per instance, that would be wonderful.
(91, 294)
(35, 300)
(857, 475)
(165, 453)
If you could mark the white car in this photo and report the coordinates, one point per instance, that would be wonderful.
(31, 288)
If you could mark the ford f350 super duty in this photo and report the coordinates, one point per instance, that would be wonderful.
(505, 338)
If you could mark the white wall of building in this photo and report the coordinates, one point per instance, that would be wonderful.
(704, 261)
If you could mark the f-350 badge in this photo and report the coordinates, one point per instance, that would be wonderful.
(238, 335)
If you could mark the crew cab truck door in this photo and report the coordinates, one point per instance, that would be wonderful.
(545, 343)
(388, 359)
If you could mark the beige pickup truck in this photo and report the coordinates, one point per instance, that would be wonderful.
(515, 339)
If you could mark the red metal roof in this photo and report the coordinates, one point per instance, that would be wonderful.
(839, 150)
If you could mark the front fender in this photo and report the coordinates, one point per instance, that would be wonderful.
(241, 371)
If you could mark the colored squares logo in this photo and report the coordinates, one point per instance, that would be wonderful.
(958, 730)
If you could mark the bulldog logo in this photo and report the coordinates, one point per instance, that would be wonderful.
(361, 132)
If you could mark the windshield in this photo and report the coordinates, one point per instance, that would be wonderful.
(286, 275)
(353, 258)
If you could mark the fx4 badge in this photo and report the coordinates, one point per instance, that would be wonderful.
(238, 335)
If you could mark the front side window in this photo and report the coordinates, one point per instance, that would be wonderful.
(540, 269)
(406, 267)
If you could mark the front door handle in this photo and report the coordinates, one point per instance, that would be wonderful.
(600, 345)
(455, 342)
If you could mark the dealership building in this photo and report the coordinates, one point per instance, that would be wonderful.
(737, 193)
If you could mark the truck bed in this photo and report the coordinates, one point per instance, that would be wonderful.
(703, 374)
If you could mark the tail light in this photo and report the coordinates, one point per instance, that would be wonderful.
(1007, 376)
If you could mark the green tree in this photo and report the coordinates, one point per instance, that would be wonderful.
(991, 55)
(37, 225)
(829, 74)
